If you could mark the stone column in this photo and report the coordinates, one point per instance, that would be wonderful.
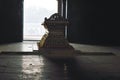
(64, 8)
(60, 7)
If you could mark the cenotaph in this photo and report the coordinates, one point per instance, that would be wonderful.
(54, 43)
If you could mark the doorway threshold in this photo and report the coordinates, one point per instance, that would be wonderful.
(32, 38)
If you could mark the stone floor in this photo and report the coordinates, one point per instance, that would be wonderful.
(31, 67)
(25, 46)
(39, 67)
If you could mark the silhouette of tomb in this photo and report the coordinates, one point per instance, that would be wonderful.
(53, 43)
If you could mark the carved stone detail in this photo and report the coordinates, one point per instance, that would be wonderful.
(54, 40)
(56, 27)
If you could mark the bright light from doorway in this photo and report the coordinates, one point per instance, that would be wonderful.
(34, 13)
(48, 4)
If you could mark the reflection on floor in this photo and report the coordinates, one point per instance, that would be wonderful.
(38, 67)
(25, 46)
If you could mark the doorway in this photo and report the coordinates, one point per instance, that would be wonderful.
(34, 12)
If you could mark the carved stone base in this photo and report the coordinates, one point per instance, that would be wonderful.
(57, 53)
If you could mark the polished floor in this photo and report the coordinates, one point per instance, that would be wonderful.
(25, 46)
(39, 67)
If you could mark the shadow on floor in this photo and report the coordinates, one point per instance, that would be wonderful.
(76, 68)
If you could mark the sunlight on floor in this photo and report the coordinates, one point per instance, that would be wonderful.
(25, 46)
(34, 13)
(30, 64)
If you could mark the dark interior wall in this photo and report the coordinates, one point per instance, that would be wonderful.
(11, 29)
(93, 22)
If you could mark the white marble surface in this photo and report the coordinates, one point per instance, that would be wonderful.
(25, 46)
(29, 46)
